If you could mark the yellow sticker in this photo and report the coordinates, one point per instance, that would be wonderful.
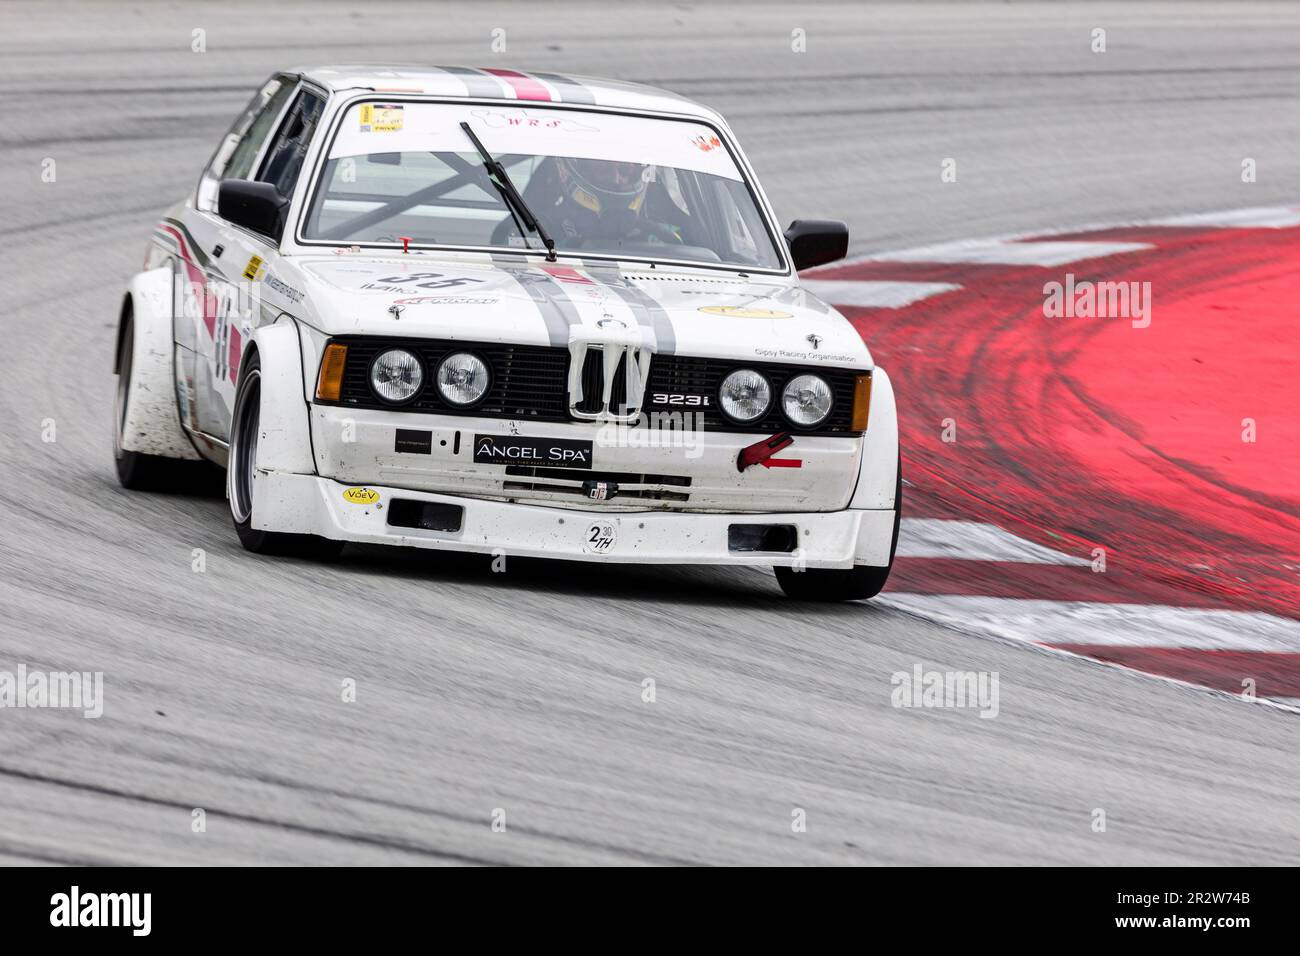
(740, 312)
(253, 270)
(381, 118)
(361, 496)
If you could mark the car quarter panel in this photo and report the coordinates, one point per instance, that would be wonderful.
(151, 424)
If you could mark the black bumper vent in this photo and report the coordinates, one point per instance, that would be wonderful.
(425, 515)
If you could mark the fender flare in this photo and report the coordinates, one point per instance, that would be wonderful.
(151, 424)
(878, 471)
(284, 426)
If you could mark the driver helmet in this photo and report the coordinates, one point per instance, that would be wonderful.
(603, 186)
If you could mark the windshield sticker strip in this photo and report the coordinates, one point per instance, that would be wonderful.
(525, 86)
(477, 83)
(570, 90)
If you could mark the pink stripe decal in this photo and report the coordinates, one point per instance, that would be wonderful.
(525, 86)
(235, 351)
(235, 354)
(197, 278)
(565, 274)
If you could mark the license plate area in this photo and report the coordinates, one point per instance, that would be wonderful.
(537, 452)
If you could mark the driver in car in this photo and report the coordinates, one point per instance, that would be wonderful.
(584, 199)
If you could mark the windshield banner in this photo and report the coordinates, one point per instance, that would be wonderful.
(393, 127)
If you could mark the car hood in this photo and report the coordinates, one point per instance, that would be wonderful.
(532, 303)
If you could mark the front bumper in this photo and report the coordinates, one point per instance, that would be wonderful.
(358, 446)
(309, 504)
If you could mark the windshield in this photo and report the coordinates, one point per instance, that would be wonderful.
(629, 186)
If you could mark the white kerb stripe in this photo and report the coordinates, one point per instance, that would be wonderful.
(1105, 625)
(873, 294)
(1001, 252)
(973, 541)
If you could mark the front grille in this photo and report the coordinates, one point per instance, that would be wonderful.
(531, 382)
(528, 381)
(593, 383)
(677, 375)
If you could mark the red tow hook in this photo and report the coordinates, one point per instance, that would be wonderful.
(760, 452)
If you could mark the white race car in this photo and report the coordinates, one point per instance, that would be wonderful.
(507, 313)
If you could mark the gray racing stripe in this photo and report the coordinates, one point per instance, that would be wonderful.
(649, 313)
(477, 82)
(557, 311)
(570, 90)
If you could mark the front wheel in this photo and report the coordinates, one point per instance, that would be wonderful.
(241, 474)
(854, 584)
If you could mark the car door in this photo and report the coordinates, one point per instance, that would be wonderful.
(247, 258)
(203, 241)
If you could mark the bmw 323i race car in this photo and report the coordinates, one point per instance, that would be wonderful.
(500, 312)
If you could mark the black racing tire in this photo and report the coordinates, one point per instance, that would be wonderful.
(855, 584)
(244, 432)
(137, 471)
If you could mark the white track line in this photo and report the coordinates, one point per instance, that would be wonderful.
(1277, 217)
(1261, 217)
(1105, 625)
(1000, 252)
(873, 294)
(972, 541)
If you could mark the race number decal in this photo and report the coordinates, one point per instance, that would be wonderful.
(599, 538)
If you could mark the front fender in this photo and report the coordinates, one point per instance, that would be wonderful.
(151, 424)
(284, 430)
(878, 473)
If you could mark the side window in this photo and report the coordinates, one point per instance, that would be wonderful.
(282, 161)
(241, 163)
(238, 150)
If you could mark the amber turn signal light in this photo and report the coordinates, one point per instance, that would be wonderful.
(330, 383)
(861, 403)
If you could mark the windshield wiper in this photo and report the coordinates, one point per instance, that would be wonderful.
(501, 179)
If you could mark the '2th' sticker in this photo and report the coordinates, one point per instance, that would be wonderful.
(599, 538)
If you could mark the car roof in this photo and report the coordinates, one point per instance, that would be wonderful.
(508, 85)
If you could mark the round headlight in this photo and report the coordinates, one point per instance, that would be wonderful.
(745, 396)
(462, 379)
(396, 375)
(806, 400)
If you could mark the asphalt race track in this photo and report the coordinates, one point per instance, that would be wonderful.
(522, 691)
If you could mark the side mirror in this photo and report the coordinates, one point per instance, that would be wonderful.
(253, 205)
(814, 242)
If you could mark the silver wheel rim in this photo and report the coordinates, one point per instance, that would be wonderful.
(123, 390)
(243, 449)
